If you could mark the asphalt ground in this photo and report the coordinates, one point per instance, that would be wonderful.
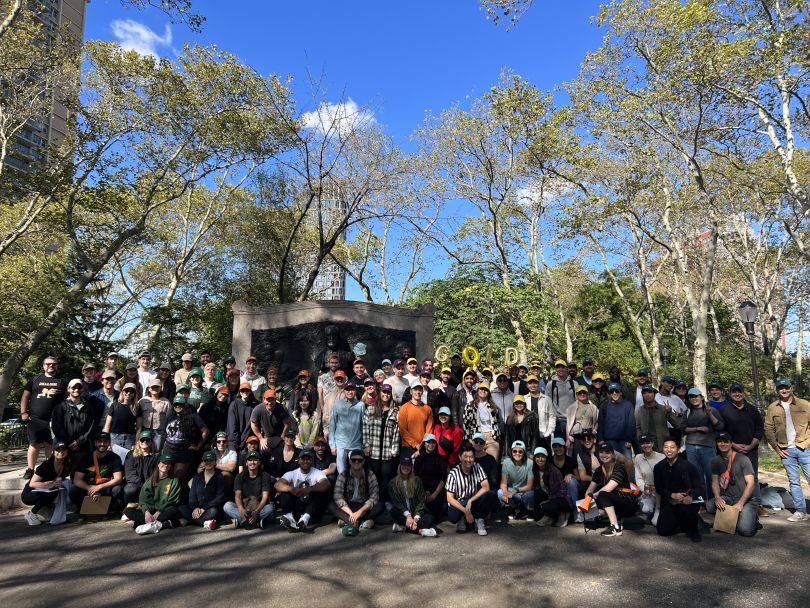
(106, 564)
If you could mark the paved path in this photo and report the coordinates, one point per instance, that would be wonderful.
(107, 564)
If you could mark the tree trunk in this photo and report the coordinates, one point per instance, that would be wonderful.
(800, 348)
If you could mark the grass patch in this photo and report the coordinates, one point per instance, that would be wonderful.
(771, 463)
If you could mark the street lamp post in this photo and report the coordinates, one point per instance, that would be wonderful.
(748, 314)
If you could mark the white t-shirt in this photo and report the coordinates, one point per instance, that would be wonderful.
(297, 478)
(227, 457)
(790, 430)
(146, 377)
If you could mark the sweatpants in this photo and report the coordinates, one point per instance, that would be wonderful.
(677, 518)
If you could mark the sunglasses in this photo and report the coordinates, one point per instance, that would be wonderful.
(222, 441)
(614, 392)
(145, 440)
(130, 391)
(340, 379)
(357, 460)
(518, 451)
(478, 441)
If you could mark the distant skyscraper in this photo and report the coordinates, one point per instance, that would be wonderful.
(331, 281)
(50, 129)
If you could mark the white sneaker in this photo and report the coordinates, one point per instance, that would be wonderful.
(547, 520)
(580, 517)
(210, 524)
(429, 532)
(288, 521)
(143, 529)
(125, 518)
(367, 524)
(480, 527)
(798, 516)
(397, 528)
(562, 520)
(156, 527)
(32, 519)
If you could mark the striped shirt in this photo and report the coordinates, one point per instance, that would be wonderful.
(464, 486)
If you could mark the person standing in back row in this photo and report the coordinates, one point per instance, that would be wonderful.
(40, 397)
(561, 392)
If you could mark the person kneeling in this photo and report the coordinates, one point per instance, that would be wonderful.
(356, 497)
(409, 501)
(304, 493)
(207, 494)
(550, 497)
(158, 503)
(251, 505)
(469, 499)
(733, 485)
(675, 481)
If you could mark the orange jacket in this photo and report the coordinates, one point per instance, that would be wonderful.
(415, 421)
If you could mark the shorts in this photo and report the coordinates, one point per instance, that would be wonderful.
(179, 456)
(39, 431)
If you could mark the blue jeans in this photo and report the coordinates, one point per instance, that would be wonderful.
(748, 520)
(618, 446)
(232, 511)
(701, 456)
(521, 498)
(124, 440)
(797, 458)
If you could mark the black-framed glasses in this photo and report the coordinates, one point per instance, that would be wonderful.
(357, 460)
(75, 388)
(614, 392)
(518, 451)
(478, 441)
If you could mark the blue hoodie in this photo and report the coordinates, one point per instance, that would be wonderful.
(346, 425)
(617, 421)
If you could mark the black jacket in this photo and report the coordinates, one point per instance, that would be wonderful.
(207, 496)
(73, 424)
(680, 477)
(137, 469)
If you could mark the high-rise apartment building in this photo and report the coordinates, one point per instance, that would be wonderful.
(52, 128)
(330, 283)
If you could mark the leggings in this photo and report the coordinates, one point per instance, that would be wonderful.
(170, 513)
(553, 508)
(212, 513)
(38, 499)
(384, 471)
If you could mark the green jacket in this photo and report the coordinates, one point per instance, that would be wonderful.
(157, 498)
(417, 502)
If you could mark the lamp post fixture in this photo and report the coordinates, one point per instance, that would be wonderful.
(748, 314)
(665, 357)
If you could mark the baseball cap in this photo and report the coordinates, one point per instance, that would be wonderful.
(469, 372)
(155, 382)
(185, 387)
(251, 439)
(145, 353)
(597, 376)
(165, 458)
(582, 389)
(356, 452)
(289, 433)
(519, 399)
(60, 445)
(268, 393)
(88, 365)
(209, 455)
(103, 435)
(187, 357)
(531, 378)
(306, 453)
(351, 385)
(484, 385)
(417, 385)
(222, 434)
(411, 360)
(614, 386)
(587, 361)
(560, 363)
(406, 460)
(668, 379)
(244, 385)
(108, 374)
(222, 390)
(77, 381)
(386, 362)
(339, 373)
(540, 450)
(694, 392)
(386, 388)
(179, 399)
(736, 388)
(783, 383)
(604, 447)
(429, 437)
(131, 366)
(479, 436)
(129, 385)
(145, 435)
(252, 454)
(369, 382)
(319, 441)
(648, 388)
(558, 441)
(398, 362)
(587, 433)
(646, 439)
(518, 444)
(112, 353)
(715, 384)
(426, 373)
(523, 365)
(349, 530)
(722, 436)
(251, 358)
(642, 372)
(444, 410)
(229, 359)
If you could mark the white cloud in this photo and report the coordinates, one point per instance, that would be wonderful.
(346, 116)
(135, 36)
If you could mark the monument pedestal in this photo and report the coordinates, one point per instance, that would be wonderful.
(294, 336)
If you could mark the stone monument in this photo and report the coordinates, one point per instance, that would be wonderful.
(301, 335)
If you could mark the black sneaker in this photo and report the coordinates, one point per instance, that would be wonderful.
(29, 473)
(695, 536)
(612, 531)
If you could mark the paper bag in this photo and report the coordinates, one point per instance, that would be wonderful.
(726, 521)
(95, 507)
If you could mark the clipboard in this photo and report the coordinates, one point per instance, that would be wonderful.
(95, 507)
(726, 521)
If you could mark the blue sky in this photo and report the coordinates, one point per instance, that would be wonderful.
(400, 58)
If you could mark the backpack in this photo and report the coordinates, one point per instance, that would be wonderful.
(556, 399)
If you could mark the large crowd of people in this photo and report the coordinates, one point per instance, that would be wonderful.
(225, 447)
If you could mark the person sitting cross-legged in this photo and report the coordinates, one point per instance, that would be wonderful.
(207, 495)
(251, 505)
(408, 498)
(159, 501)
(304, 493)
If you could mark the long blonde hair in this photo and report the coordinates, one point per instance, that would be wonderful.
(409, 482)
